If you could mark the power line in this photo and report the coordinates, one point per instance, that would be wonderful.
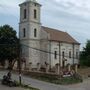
(46, 51)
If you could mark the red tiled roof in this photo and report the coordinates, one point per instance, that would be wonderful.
(56, 35)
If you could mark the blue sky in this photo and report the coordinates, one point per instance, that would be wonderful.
(72, 16)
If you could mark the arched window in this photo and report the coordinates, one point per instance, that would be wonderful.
(24, 32)
(69, 54)
(63, 54)
(55, 54)
(25, 13)
(35, 13)
(77, 56)
(35, 32)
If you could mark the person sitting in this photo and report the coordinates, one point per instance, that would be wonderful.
(9, 75)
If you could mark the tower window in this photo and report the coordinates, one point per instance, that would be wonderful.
(55, 54)
(25, 13)
(35, 32)
(69, 54)
(24, 32)
(35, 4)
(35, 13)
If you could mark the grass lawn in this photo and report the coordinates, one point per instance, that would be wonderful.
(56, 79)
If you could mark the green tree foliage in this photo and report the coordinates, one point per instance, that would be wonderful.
(9, 43)
(85, 55)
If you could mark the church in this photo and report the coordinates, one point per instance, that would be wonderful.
(41, 45)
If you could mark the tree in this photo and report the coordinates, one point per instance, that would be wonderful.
(85, 55)
(9, 44)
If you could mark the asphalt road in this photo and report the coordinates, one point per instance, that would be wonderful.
(48, 86)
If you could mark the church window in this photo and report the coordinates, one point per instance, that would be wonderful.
(69, 54)
(24, 32)
(63, 54)
(55, 54)
(25, 13)
(77, 55)
(35, 13)
(35, 32)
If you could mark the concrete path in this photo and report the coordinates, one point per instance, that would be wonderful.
(48, 86)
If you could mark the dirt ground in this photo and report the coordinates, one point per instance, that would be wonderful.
(84, 72)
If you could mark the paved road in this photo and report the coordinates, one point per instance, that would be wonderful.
(9, 88)
(48, 86)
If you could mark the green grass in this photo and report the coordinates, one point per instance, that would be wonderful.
(56, 79)
(68, 80)
(62, 81)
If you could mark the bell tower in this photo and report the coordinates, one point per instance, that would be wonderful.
(30, 23)
(30, 30)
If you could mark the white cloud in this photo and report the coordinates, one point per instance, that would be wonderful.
(77, 7)
(9, 7)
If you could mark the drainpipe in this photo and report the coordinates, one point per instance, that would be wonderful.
(59, 57)
(73, 53)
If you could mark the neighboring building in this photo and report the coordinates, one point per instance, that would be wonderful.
(42, 45)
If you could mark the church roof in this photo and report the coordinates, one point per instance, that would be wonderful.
(57, 35)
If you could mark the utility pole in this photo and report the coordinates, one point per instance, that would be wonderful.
(19, 64)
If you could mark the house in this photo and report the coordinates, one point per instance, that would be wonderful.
(43, 45)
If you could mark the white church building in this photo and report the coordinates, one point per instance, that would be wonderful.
(41, 45)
